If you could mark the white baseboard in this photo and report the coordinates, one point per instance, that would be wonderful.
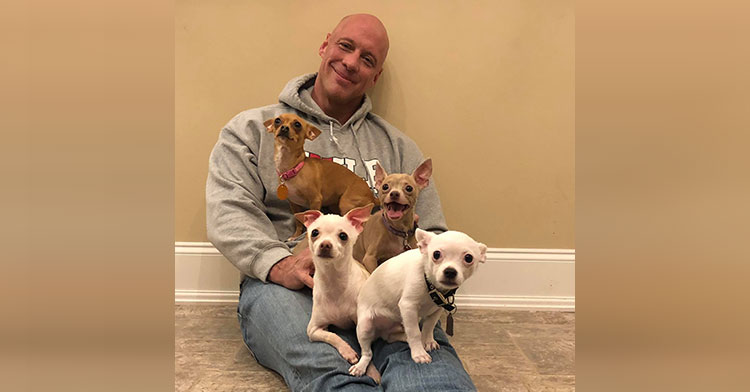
(214, 296)
(529, 279)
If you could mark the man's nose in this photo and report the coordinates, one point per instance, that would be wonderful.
(350, 61)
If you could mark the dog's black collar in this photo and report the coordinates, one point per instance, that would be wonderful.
(444, 300)
(404, 234)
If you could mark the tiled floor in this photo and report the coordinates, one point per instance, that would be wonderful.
(502, 350)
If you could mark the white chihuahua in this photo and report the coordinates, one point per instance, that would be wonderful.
(338, 277)
(413, 286)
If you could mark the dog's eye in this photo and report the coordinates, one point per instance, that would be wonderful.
(314, 233)
(409, 188)
(468, 259)
(297, 124)
(436, 255)
(385, 187)
(277, 121)
(343, 236)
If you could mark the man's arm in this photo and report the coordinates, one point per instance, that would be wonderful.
(236, 218)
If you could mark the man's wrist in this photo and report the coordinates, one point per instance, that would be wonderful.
(276, 270)
(261, 267)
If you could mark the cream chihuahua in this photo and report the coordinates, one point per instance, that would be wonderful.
(338, 277)
(411, 287)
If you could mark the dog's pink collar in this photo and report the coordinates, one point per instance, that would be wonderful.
(285, 176)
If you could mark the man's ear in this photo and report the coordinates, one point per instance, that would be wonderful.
(423, 239)
(358, 216)
(312, 132)
(422, 173)
(377, 76)
(268, 124)
(308, 217)
(324, 45)
(380, 175)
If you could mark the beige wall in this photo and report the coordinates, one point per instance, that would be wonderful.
(486, 88)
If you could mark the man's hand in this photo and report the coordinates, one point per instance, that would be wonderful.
(293, 272)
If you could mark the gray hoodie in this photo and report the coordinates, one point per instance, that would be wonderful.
(247, 222)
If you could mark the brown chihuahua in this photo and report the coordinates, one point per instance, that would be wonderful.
(311, 183)
(390, 231)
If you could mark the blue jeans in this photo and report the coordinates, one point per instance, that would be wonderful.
(274, 321)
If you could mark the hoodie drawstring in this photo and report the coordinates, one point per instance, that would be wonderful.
(333, 138)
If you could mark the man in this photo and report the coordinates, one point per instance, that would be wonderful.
(246, 220)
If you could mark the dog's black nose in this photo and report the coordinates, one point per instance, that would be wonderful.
(450, 273)
(395, 195)
(325, 250)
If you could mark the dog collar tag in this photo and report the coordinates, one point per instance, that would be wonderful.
(449, 324)
(282, 191)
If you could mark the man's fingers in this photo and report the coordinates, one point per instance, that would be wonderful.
(307, 279)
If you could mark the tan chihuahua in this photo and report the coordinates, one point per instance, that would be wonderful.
(311, 183)
(390, 231)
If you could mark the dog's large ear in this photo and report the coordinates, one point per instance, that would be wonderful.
(422, 173)
(358, 216)
(482, 252)
(268, 124)
(423, 239)
(308, 217)
(380, 175)
(312, 132)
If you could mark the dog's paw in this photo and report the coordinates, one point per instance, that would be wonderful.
(373, 372)
(349, 354)
(431, 345)
(421, 357)
(357, 369)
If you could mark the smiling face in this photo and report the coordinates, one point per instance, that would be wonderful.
(352, 59)
(450, 257)
(398, 192)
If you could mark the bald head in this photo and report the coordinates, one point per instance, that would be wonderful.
(369, 24)
(352, 61)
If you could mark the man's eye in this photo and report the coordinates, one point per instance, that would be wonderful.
(345, 45)
(369, 61)
(277, 121)
(314, 233)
